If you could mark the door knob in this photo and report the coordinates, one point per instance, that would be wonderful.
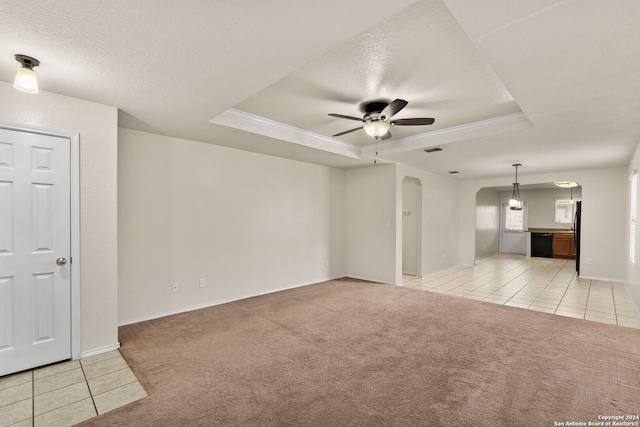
(61, 261)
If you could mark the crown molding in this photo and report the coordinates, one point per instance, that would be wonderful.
(493, 126)
(262, 126)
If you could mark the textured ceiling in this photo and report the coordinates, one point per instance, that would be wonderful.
(554, 85)
(419, 54)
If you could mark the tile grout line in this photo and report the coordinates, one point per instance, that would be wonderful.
(529, 265)
(90, 392)
(613, 296)
(543, 289)
(510, 270)
(32, 380)
(33, 398)
(584, 311)
(586, 304)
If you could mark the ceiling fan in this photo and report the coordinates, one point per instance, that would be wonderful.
(377, 117)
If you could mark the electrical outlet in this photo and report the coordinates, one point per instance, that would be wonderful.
(589, 261)
(203, 283)
(326, 263)
(175, 287)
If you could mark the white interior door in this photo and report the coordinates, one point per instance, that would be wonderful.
(35, 248)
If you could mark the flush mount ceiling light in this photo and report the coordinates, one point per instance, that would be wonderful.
(377, 128)
(566, 184)
(515, 203)
(26, 79)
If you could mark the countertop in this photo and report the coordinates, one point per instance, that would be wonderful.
(551, 230)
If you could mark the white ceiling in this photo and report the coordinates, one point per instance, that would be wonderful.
(554, 85)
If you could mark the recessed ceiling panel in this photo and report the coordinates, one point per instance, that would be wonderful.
(420, 54)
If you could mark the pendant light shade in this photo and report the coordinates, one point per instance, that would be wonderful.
(515, 203)
(377, 128)
(26, 79)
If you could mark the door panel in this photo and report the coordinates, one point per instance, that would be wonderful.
(6, 313)
(35, 217)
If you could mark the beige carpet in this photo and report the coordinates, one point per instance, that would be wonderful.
(352, 353)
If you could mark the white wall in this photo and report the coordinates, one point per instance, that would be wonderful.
(487, 222)
(439, 222)
(247, 223)
(374, 200)
(604, 224)
(542, 205)
(371, 224)
(97, 126)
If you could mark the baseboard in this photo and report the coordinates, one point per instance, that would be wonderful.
(97, 351)
(604, 279)
(213, 303)
(485, 256)
(368, 279)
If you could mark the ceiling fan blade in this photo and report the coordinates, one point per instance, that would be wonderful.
(393, 108)
(386, 135)
(341, 116)
(348, 131)
(412, 122)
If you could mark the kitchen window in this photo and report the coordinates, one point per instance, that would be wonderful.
(565, 210)
(515, 220)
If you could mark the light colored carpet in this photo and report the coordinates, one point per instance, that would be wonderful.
(353, 353)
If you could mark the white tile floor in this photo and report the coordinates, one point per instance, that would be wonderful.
(542, 284)
(67, 393)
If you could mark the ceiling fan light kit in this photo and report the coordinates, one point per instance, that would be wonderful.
(377, 128)
(377, 117)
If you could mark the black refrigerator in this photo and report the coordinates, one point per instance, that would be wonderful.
(576, 233)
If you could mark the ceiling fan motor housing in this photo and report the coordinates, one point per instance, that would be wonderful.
(373, 112)
(374, 107)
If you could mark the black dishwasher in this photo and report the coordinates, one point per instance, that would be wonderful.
(542, 245)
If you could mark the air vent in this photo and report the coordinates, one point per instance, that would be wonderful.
(433, 149)
(453, 172)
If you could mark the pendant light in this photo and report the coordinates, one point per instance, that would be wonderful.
(26, 79)
(571, 201)
(515, 203)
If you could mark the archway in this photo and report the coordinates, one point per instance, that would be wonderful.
(411, 226)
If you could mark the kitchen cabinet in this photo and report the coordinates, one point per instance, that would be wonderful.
(563, 246)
